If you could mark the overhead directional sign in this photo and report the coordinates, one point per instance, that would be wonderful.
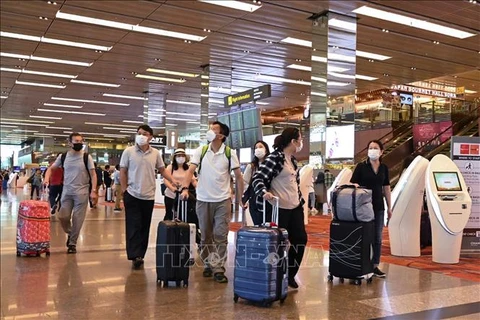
(248, 96)
(158, 141)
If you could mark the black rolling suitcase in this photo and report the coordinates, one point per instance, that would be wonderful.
(351, 251)
(261, 263)
(173, 251)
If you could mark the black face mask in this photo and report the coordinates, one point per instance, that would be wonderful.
(77, 146)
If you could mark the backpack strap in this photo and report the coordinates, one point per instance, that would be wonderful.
(228, 154)
(85, 161)
(62, 159)
(204, 152)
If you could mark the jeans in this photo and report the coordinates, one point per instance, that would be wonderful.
(377, 241)
(54, 194)
(33, 189)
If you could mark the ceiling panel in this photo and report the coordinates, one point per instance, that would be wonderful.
(236, 50)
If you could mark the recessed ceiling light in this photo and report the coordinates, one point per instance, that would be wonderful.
(319, 59)
(132, 121)
(183, 114)
(58, 128)
(296, 41)
(238, 5)
(36, 84)
(184, 102)
(54, 41)
(280, 79)
(92, 101)
(74, 112)
(40, 73)
(374, 56)
(23, 124)
(35, 58)
(341, 24)
(43, 117)
(3, 97)
(173, 73)
(313, 93)
(124, 96)
(92, 83)
(385, 30)
(62, 105)
(412, 22)
(109, 124)
(146, 76)
(126, 26)
(362, 77)
(261, 103)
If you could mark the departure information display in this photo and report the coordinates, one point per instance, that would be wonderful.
(251, 118)
(236, 121)
(245, 127)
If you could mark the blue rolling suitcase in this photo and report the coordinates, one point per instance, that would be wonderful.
(261, 262)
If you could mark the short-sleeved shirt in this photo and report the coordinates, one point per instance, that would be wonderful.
(364, 176)
(76, 178)
(214, 177)
(141, 167)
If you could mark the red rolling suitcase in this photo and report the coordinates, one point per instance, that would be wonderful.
(33, 228)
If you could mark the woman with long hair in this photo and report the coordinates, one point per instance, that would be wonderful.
(373, 174)
(278, 176)
(260, 153)
(178, 168)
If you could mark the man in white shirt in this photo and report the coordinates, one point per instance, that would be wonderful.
(214, 203)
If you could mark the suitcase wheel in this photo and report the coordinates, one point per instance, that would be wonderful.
(330, 278)
(282, 300)
(47, 253)
(179, 283)
(342, 280)
(369, 280)
(18, 254)
(235, 298)
(267, 304)
(356, 282)
(37, 254)
(185, 284)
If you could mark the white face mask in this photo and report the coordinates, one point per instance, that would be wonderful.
(300, 147)
(373, 154)
(141, 140)
(260, 153)
(180, 160)
(210, 135)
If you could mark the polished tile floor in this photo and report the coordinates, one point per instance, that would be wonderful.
(99, 283)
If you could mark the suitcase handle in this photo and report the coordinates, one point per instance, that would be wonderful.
(181, 209)
(275, 205)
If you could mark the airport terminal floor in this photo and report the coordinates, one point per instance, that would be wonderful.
(99, 283)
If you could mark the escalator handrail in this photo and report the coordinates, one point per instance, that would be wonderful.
(467, 127)
(401, 128)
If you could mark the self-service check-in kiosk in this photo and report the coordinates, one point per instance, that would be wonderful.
(449, 206)
(407, 203)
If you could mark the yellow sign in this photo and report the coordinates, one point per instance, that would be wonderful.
(460, 90)
(235, 99)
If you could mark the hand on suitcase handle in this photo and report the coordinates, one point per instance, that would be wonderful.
(268, 196)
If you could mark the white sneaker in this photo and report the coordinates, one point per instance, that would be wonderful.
(314, 212)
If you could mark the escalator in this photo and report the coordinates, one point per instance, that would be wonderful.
(467, 127)
(392, 140)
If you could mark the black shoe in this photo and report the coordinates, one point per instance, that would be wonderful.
(137, 263)
(207, 273)
(117, 209)
(72, 249)
(54, 208)
(220, 277)
(292, 283)
(68, 241)
(378, 273)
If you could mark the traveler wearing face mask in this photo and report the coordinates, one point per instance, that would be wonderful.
(137, 178)
(279, 176)
(178, 168)
(261, 152)
(373, 174)
(214, 203)
(78, 176)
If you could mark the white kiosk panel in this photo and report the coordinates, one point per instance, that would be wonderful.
(407, 202)
(449, 206)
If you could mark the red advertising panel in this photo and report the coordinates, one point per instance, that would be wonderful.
(423, 133)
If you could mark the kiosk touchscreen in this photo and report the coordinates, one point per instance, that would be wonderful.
(407, 203)
(449, 206)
